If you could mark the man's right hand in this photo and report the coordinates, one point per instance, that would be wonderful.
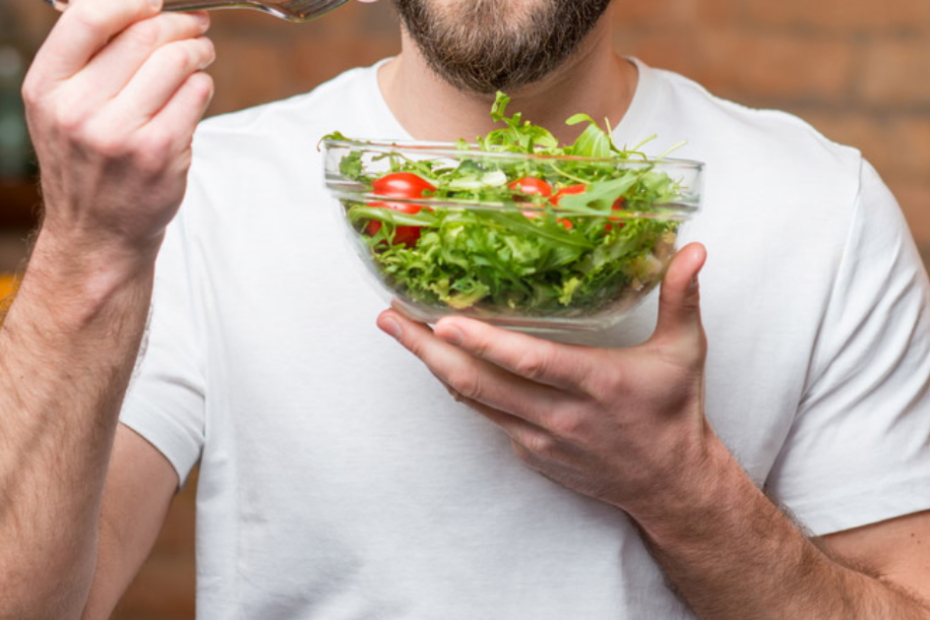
(112, 99)
(112, 102)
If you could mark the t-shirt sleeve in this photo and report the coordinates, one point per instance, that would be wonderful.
(165, 399)
(859, 449)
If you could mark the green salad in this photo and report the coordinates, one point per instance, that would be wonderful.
(569, 231)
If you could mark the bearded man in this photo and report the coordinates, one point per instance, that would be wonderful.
(648, 473)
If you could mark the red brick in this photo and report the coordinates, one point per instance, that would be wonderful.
(896, 73)
(897, 146)
(839, 15)
(657, 13)
(248, 73)
(254, 24)
(718, 12)
(340, 54)
(774, 67)
(915, 202)
(33, 20)
(674, 14)
(665, 48)
(762, 69)
(163, 590)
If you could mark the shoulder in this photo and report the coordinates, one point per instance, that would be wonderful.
(766, 170)
(328, 100)
(237, 157)
(763, 144)
(271, 129)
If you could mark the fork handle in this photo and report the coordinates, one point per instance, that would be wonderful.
(183, 5)
(206, 5)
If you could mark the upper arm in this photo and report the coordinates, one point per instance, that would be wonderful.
(857, 450)
(897, 550)
(139, 488)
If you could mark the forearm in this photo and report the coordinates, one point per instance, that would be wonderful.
(732, 554)
(67, 350)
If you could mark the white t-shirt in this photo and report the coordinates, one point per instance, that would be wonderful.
(339, 480)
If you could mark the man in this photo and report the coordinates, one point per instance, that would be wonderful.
(338, 479)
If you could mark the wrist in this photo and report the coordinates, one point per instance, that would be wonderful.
(84, 278)
(705, 494)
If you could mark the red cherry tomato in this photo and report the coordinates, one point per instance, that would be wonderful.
(531, 186)
(402, 185)
(572, 190)
(399, 185)
(617, 206)
(406, 235)
(569, 190)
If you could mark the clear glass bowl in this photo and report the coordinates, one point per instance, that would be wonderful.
(497, 249)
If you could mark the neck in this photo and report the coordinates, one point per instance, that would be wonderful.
(594, 80)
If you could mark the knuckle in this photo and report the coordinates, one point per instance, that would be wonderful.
(152, 151)
(30, 91)
(209, 49)
(70, 120)
(480, 346)
(414, 345)
(202, 84)
(104, 144)
(89, 18)
(565, 424)
(539, 445)
(108, 17)
(605, 384)
(467, 383)
(533, 364)
(204, 53)
(31, 98)
(178, 56)
(146, 34)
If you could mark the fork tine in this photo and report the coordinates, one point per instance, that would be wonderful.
(297, 10)
(315, 8)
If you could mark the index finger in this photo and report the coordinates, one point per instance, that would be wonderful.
(563, 366)
(83, 30)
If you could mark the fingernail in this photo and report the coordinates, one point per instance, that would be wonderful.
(202, 18)
(694, 284)
(452, 335)
(392, 328)
(156, 4)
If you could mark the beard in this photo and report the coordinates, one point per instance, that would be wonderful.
(483, 46)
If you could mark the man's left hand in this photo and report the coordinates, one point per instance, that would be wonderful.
(624, 426)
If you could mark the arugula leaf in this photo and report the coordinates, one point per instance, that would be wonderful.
(499, 107)
(593, 141)
(351, 166)
(600, 197)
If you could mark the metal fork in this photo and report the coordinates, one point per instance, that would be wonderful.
(291, 10)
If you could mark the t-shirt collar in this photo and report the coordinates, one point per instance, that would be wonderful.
(628, 132)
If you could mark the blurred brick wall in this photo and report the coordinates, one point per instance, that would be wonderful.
(261, 59)
(859, 70)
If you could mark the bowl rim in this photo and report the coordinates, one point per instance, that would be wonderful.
(680, 210)
(451, 149)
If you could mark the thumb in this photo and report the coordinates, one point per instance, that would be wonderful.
(680, 299)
